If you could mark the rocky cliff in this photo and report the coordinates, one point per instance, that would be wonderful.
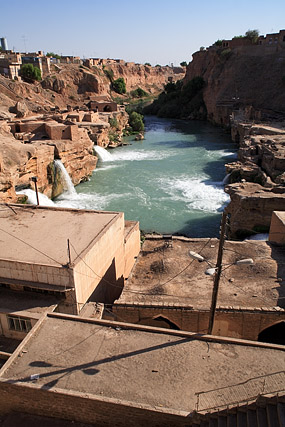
(257, 179)
(21, 160)
(151, 79)
(246, 78)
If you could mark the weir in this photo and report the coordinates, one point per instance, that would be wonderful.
(103, 154)
(66, 180)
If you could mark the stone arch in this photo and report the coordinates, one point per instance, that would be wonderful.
(159, 322)
(274, 334)
(107, 109)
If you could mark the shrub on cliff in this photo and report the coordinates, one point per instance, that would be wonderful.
(183, 64)
(30, 73)
(136, 122)
(119, 85)
(109, 74)
(138, 93)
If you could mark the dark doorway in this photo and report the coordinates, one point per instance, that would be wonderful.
(159, 322)
(107, 109)
(275, 334)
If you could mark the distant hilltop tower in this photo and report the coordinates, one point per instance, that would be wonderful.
(4, 44)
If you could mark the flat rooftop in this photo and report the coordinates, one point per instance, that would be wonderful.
(13, 302)
(145, 366)
(39, 235)
(165, 273)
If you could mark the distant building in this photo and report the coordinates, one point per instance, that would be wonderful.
(4, 44)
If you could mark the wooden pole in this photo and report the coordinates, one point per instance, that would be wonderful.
(217, 274)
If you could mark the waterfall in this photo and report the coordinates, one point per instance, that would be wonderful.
(226, 179)
(32, 198)
(66, 180)
(103, 154)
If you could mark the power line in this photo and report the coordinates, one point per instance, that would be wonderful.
(28, 244)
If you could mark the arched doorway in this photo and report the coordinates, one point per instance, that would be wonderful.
(274, 334)
(159, 322)
(107, 109)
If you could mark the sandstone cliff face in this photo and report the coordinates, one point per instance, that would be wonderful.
(251, 207)
(19, 162)
(262, 165)
(243, 78)
(151, 79)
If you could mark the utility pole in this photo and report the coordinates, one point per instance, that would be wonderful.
(35, 179)
(217, 274)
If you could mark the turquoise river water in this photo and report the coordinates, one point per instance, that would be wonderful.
(171, 182)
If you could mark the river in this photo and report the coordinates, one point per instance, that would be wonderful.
(171, 182)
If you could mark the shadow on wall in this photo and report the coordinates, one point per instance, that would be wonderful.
(109, 288)
(278, 254)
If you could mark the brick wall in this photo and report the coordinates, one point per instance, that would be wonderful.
(229, 322)
(87, 408)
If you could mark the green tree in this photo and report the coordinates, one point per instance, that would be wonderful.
(148, 64)
(136, 122)
(183, 63)
(218, 43)
(252, 35)
(119, 85)
(30, 73)
(53, 55)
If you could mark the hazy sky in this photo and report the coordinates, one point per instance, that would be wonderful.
(155, 31)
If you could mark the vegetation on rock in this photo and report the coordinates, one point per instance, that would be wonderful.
(136, 122)
(180, 101)
(138, 93)
(119, 85)
(31, 73)
(183, 64)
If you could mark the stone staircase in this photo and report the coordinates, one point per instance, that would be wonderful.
(265, 411)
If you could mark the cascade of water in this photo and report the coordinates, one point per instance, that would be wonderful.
(226, 179)
(103, 154)
(66, 180)
(32, 198)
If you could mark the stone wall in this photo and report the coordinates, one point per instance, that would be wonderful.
(83, 407)
(229, 322)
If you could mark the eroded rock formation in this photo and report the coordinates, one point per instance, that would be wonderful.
(257, 179)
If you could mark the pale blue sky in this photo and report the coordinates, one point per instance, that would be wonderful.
(155, 31)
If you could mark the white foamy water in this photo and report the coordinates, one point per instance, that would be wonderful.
(259, 236)
(32, 198)
(217, 154)
(102, 153)
(66, 180)
(86, 201)
(197, 193)
(134, 155)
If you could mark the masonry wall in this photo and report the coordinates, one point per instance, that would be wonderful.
(34, 273)
(10, 333)
(277, 228)
(132, 248)
(235, 323)
(83, 408)
(104, 256)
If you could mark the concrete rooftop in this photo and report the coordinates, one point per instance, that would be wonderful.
(39, 235)
(146, 366)
(167, 274)
(14, 302)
